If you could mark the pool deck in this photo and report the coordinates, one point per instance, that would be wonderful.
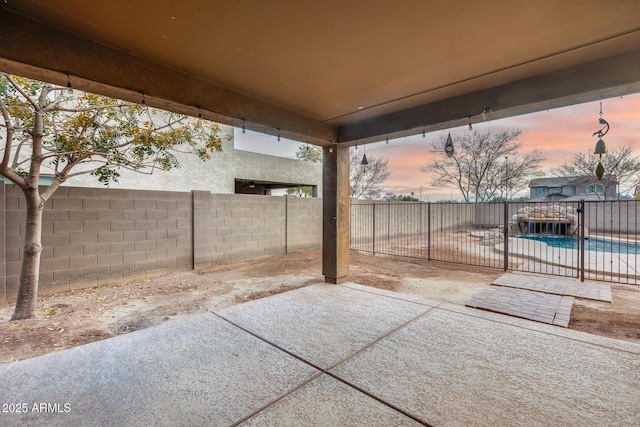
(552, 260)
(326, 355)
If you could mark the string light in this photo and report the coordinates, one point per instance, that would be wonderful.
(69, 87)
(386, 140)
(243, 129)
(424, 132)
(278, 134)
(469, 117)
(143, 101)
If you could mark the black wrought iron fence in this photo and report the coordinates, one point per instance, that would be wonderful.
(593, 240)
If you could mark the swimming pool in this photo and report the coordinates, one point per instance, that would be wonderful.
(598, 245)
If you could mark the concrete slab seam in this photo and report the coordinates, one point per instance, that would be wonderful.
(326, 371)
(265, 406)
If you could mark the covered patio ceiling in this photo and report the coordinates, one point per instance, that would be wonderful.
(331, 71)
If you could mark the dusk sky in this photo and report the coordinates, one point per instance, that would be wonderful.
(557, 133)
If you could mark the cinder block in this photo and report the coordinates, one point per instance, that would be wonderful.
(166, 263)
(134, 256)
(121, 204)
(95, 204)
(223, 247)
(231, 222)
(224, 231)
(95, 226)
(68, 275)
(145, 224)
(68, 251)
(167, 243)
(52, 264)
(179, 214)
(156, 234)
(84, 215)
(166, 205)
(122, 225)
(145, 245)
(110, 259)
(53, 215)
(186, 260)
(134, 194)
(175, 233)
(110, 215)
(55, 239)
(110, 236)
(183, 223)
(12, 255)
(64, 203)
(230, 238)
(82, 192)
(121, 247)
(122, 269)
(133, 215)
(145, 265)
(68, 227)
(97, 248)
(156, 254)
(166, 224)
(45, 282)
(83, 261)
(156, 214)
(145, 205)
(97, 272)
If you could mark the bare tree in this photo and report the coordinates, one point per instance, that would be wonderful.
(616, 162)
(366, 179)
(46, 128)
(485, 165)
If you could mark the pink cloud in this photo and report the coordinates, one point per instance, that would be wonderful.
(558, 133)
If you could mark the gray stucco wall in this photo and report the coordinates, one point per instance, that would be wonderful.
(218, 174)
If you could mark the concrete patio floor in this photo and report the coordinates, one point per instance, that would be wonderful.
(332, 355)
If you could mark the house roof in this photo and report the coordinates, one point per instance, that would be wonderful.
(563, 181)
(331, 71)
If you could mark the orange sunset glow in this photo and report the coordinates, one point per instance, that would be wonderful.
(557, 133)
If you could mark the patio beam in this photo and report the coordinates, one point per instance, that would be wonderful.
(35, 50)
(617, 75)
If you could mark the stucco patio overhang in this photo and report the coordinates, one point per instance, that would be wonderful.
(333, 72)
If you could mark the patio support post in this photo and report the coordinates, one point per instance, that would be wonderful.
(335, 214)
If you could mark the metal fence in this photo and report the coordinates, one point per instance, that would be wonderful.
(593, 240)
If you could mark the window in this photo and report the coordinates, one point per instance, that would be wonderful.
(555, 190)
(540, 191)
(595, 189)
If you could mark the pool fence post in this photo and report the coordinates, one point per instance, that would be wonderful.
(374, 229)
(429, 231)
(581, 238)
(506, 235)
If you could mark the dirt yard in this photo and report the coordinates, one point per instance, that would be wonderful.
(78, 317)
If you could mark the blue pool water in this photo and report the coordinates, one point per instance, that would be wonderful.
(597, 245)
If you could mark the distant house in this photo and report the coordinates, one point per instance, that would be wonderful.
(571, 188)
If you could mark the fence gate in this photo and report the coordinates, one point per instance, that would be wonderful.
(589, 240)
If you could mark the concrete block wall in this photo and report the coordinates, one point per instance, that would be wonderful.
(96, 235)
(92, 235)
(237, 226)
(304, 223)
(403, 219)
